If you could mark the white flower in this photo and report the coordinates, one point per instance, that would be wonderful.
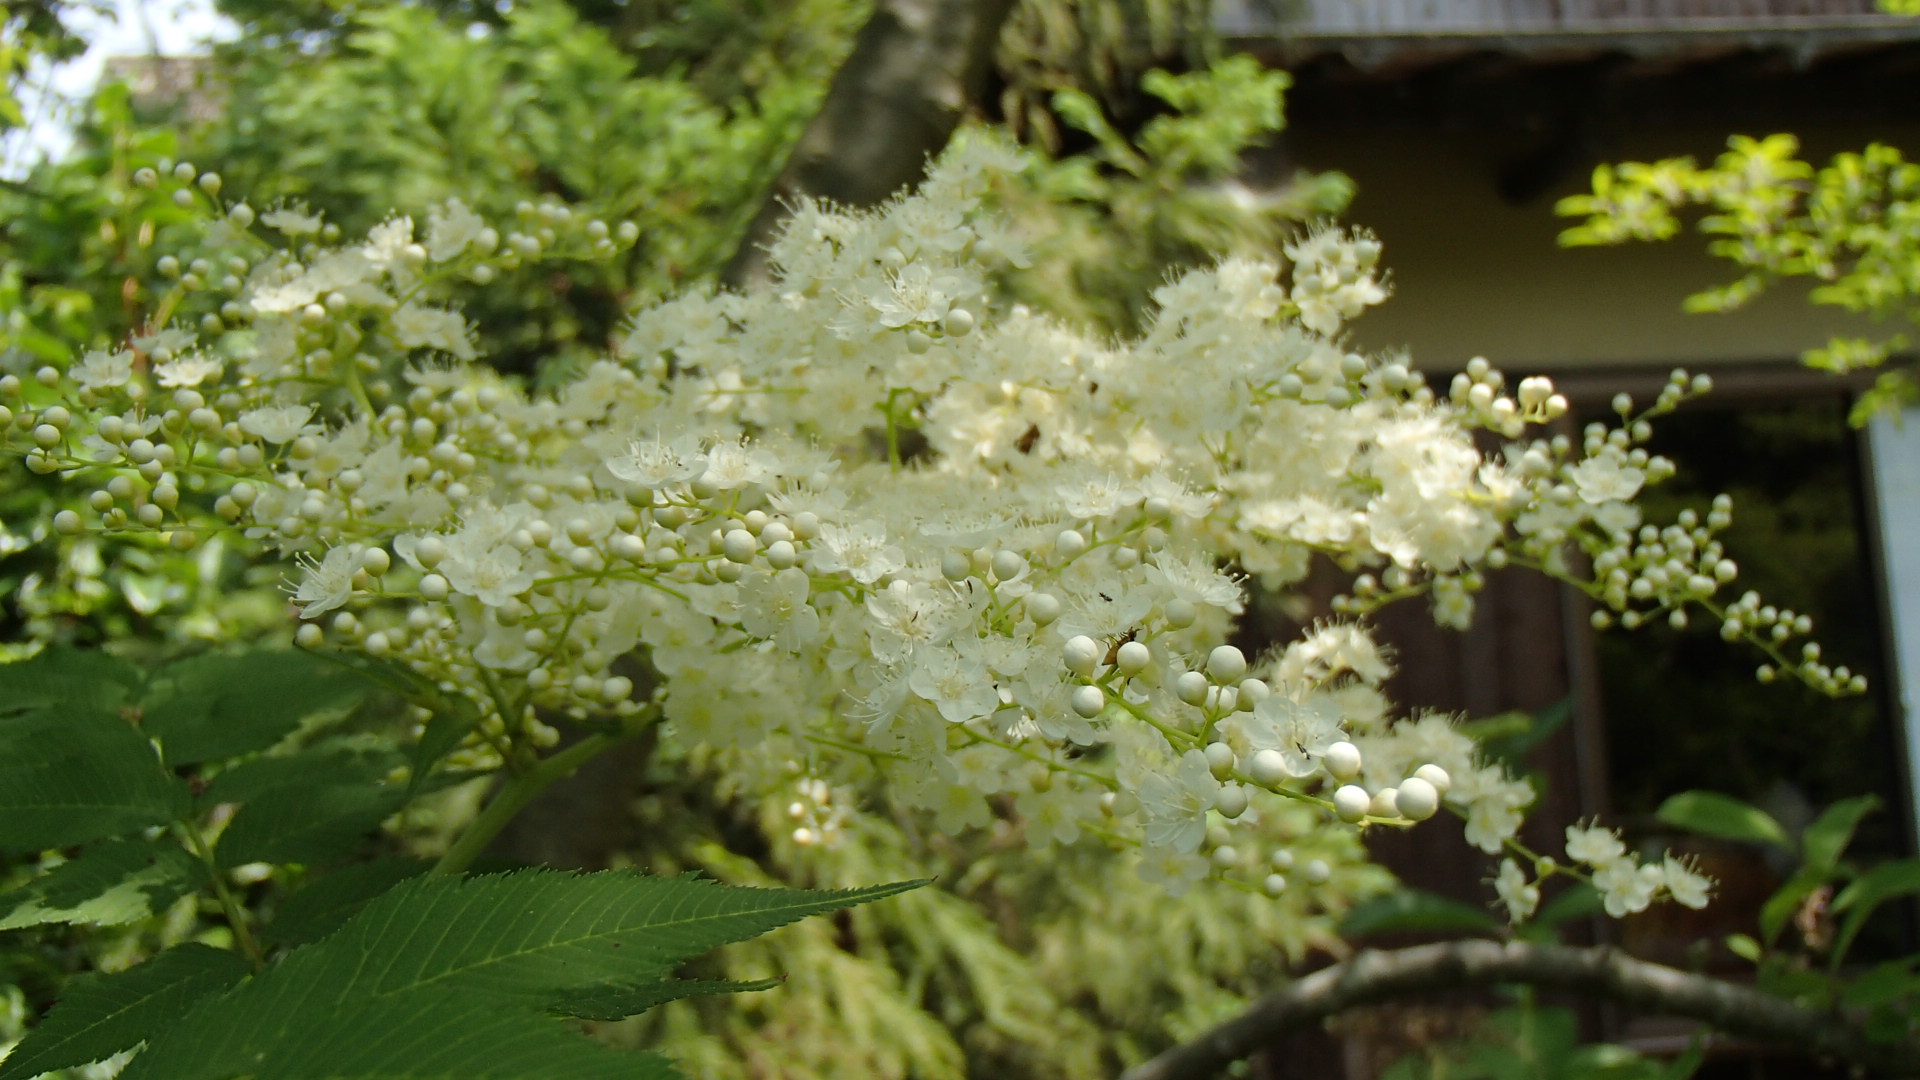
(418, 326)
(99, 370)
(1600, 480)
(1174, 805)
(1520, 895)
(277, 423)
(861, 551)
(188, 371)
(387, 242)
(451, 227)
(733, 465)
(960, 688)
(293, 220)
(655, 463)
(774, 606)
(328, 583)
(1595, 846)
(1687, 885)
(1626, 887)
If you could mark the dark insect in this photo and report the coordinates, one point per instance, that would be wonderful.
(1113, 651)
(1027, 439)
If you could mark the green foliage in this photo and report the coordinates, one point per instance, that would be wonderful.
(1117, 219)
(1830, 900)
(409, 108)
(168, 782)
(1723, 817)
(515, 949)
(1846, 226)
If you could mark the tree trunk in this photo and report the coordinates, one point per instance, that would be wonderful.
(896, 101)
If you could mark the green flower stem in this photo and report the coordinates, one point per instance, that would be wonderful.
(517, 792)
(235, 913)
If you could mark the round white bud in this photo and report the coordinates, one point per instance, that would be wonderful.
(433, 587)
(1435, 776)
(1181, 613)
(309, 636)
(1008, 564)
(1231, 801)
(1416, 799)
(1132, 658)
(1342, 760)
(1275, 884)
(1220, 760)
(955, 566)
(1089, 701)
(1351, 802)
(1191, 687)
(739, 545)
(430, 551)
(1043, 608)
(1267, 767)
(1082, 655)
(1226, 664)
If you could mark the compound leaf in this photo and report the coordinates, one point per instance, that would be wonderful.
(306, 823)
(101, 1015)
(64, 677)
(221, 705)
(452, 977)
(108, 884)
(70, 775)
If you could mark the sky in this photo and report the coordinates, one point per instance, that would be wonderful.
(134, 27)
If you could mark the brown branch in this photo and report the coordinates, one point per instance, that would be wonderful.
(1374, 976)
(914, 67)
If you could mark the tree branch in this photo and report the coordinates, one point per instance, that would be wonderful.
(896, 100)
(1374, 976)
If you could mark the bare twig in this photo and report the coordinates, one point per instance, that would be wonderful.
(1375, 976)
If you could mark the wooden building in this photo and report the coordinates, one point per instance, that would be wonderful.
(1462, 122)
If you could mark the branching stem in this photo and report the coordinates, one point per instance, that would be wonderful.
(517, 792)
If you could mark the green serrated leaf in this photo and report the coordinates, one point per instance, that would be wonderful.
(71, 775)
(1710, 813)
(619, 1002)
(329, 764)
(1823, 841)
(221, 705)
(451, 977)
(100, 1015)
(1415, 911)
(67, 678)
(319, 908)
(306, 824)
(109, 884)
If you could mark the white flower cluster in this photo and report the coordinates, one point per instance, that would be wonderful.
(864, 524)
(1625, 884)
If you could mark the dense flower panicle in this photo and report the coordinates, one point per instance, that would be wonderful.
(870, 527)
